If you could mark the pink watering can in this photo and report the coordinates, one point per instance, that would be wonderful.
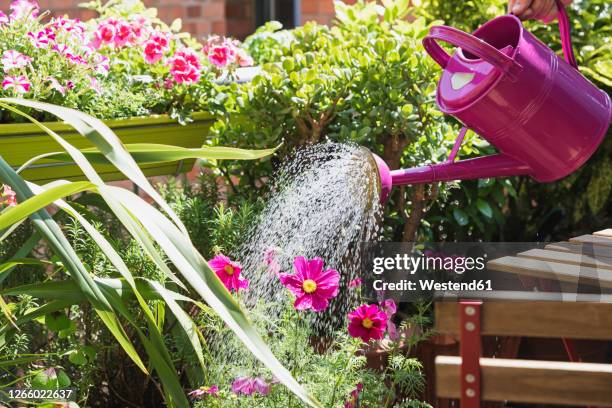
(541, 114)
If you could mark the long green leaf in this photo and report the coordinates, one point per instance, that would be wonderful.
(170, 236)
(52, 233)
(103, 139)
(33, 204)
(200, 276)
(145, 153)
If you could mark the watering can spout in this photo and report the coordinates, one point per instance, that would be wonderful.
(497, 165)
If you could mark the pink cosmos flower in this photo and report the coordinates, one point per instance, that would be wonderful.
(355, 283)
(19, 84)
(213, 390)
(312, 286)
(12, 59)
(250, 386)
(229, 272)
(185, 66)
(42, 38)
(8, 197)
(390, 308)
(24, 9)
(271, 261)
(222, 55)
(3, 18)
(367, 322)
(56, 85)
(354, 397)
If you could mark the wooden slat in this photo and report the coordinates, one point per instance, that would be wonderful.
(570, 258)
(593, 239)
(531, 296)
(529, 381)
(593, 250)
(579, 320)
(553, 270)
(604, 233)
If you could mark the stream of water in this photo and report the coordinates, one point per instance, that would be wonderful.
(324, 202)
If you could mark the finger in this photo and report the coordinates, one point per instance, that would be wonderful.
(511, 4)
(520, 6)
(551, 15)
(539, 8)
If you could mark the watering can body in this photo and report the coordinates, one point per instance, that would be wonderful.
(541, 114)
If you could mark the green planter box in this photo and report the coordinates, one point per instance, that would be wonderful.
(21, 142)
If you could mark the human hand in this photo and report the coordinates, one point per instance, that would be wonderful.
(544, 10)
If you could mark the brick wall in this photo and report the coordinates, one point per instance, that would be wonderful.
(201, 17)
(321, 11)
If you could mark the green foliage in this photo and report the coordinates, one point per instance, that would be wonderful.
(162, 237)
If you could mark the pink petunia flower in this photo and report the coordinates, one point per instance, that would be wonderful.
(95, 85)
(62, 49)
(312, 286)
(12, 59)
(152, 52)
(250, 386)
(43, 38)
(355, 283)
(24, 9)
(56, 85)
(75, 27)
(213, 390)
(229, 273)
(104, 34)
(3, 18)
(367, 322)
(222, 55)
(19, 84)
(123, 33)
(139, 27)
(354, 397)
(155, 47)
(8, 197)
(185, 66)
(243, 59)
(101, 64)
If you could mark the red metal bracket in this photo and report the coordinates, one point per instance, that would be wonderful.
(471, 350)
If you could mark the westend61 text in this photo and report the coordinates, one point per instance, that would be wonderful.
(430, 284)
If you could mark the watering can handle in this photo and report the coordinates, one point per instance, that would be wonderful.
(469, 43)
(565, 32)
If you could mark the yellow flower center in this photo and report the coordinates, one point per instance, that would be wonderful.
(367, 323)
(309, 286)
(229, 269)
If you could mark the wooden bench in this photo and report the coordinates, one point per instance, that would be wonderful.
(525, 314)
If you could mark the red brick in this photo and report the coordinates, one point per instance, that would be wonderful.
(219, 27)
(326, 7)
(214, 9)
(310, 6)
(194, 11)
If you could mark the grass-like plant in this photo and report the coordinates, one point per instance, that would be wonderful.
(154, 226)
